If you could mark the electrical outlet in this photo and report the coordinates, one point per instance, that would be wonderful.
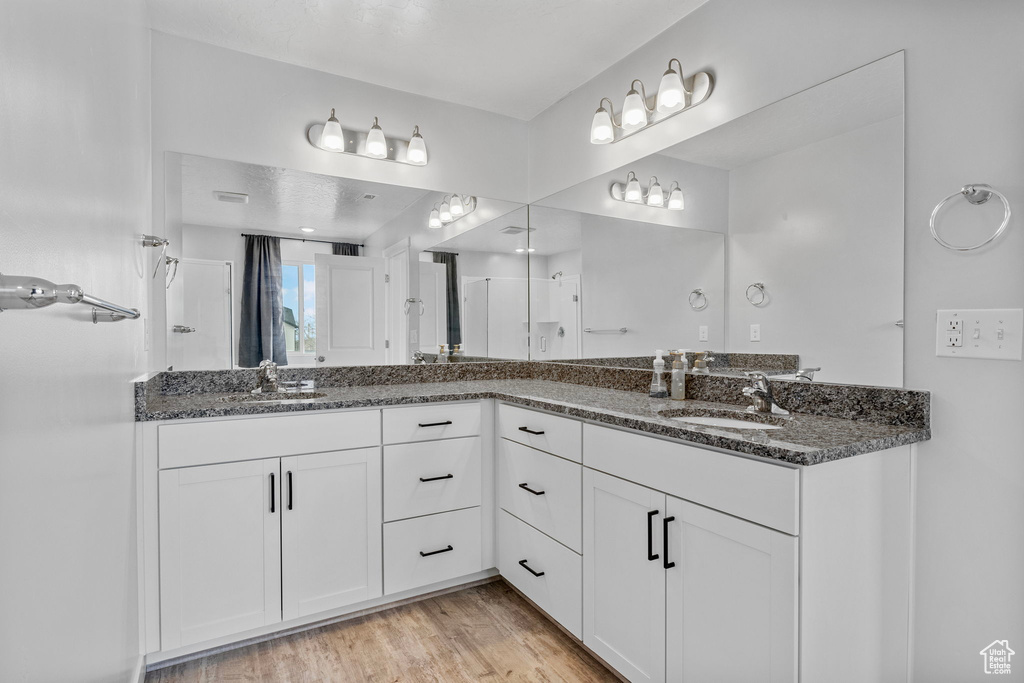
(414, 336)
(994, 333)
(702, 333)
(755, 333)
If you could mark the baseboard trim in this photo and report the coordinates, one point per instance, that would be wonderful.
(373, 609)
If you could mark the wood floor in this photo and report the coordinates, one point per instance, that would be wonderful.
(484, 633)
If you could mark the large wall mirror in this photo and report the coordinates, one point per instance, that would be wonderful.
(341, 271)
(789, 241)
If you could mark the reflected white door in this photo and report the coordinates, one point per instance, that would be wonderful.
(434, 294)
(474, 318)
(349, 310)
(507, 318)
(396, 261)
(205, 292)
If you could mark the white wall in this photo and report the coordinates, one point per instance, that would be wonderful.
(74, 194)
(639, 276)
(963, 125)
(821, 226)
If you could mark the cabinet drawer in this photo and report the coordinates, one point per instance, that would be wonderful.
(202, 443)
(411, 556)
(427, 422)
(559, 435)
(542, 490)
(559, 590)
(763, 492)
(432, 476)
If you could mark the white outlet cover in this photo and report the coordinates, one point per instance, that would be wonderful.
(702, 333)
(755, 332)
(985, 324)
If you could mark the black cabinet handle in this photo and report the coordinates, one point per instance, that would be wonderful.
(530, 431)
(436, 424)
(664, 541)
(651, 557)
(447, 476)
(290, 494)
(436, 552)
(525, 487)
(522, 563)
(273, 494)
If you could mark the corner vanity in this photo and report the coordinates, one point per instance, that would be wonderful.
(672, 551)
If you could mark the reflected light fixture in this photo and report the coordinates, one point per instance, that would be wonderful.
(452, 208)
(521, 250)
(640, 111)
(633, 193)
(304, 229)
(331, 137)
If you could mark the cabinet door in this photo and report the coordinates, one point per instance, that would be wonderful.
(331, 530)
(731, 598)
(220, 550)
(623, 577)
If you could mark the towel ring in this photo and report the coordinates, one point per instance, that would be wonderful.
(698, 295)
(758, 287)
(975, 194)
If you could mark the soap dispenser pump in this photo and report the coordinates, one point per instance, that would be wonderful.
(679, 367)
(658, 388)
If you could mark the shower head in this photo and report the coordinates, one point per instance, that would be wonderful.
(556, 275)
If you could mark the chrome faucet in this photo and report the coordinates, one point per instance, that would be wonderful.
(418, 358)
(266, 377)
(760, 392)
(807, 373)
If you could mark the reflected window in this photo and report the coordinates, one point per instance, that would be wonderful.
(299, 300)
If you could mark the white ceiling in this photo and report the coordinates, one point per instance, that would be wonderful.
(859, 98)
(281, 200)
(515, 57)
(489, 236)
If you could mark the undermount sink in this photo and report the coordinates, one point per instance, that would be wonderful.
(731, 419)
(275, 396)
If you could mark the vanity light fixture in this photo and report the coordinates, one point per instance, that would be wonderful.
(331, 137)
(452, 208)
(632, 192)
(639, 111)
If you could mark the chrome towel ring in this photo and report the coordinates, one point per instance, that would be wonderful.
(975, 194)
(759, 296)
(698, 295)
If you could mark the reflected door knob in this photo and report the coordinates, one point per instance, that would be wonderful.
(183, 329)
(320, 359)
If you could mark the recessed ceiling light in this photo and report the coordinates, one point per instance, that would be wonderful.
(308, 229)
(520, 250)
(231, 197)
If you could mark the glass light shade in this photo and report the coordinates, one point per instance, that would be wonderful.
(675, 199)
(456, 206)
(417, 154)
(634, 111)
(332, 136)
(376, 145)
(602, 130)
(435, 219)
(446, 212)
(655, 195)
(633, 192)
(671, 94)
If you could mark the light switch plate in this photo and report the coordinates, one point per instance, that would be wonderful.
(991, 333)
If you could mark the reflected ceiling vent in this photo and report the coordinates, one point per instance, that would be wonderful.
(231, 197)
(369, 196)
(515, 230)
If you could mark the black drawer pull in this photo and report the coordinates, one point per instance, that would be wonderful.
(526, 487)
(651, 556)
(435, 552)
(522, 563)
(436, 424)
(291, 496)
(447, 476)
(273, 494)
(530, 431)
(664, 540)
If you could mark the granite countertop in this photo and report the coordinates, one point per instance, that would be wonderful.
(803, 440)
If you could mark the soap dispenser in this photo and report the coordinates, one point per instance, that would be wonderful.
(679, 367)
(658, 388)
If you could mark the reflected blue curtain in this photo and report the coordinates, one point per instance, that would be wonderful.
(452, 291)
(262, 326)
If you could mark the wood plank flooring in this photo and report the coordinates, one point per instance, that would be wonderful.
(483, 633)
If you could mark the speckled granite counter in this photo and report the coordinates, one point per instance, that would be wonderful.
(805, 439)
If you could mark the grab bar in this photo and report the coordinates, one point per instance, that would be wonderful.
(26, 292)
(621, 330)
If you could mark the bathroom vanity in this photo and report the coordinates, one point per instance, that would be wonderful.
(673, 551)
